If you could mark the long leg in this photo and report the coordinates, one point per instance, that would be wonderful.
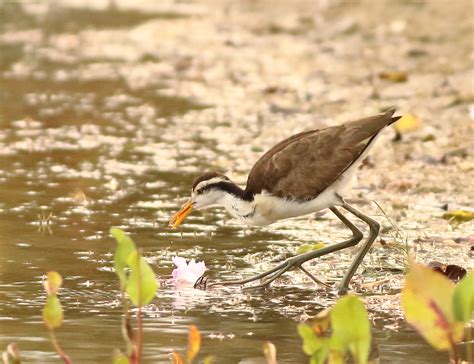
(302, 258)
(355, 233)
(374, 231)
(298, 260)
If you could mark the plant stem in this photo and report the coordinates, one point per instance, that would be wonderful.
(139, 341)
(58, 348)
(453, 353)
(127, 331)
(469, 347)
(398, 236)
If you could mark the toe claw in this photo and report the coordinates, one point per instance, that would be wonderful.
(201, 282)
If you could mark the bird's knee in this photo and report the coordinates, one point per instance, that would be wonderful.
(358, 236)
(374, 227)
(355, 239)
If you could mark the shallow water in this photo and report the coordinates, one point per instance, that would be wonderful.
(94, 140)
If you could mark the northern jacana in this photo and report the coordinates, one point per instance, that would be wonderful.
(302, 174)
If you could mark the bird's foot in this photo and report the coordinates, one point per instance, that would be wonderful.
(201, 283)
(342, 291)
(267, 277)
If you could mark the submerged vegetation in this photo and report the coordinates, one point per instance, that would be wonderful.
(437, 308)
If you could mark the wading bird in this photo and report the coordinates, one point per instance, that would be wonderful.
(300, 175)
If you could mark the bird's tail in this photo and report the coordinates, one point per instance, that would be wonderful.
(390, 112)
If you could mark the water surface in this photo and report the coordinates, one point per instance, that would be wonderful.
(91, 137)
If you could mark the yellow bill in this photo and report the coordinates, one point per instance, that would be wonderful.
(179, 216)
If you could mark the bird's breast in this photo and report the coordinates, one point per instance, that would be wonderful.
(269, 209)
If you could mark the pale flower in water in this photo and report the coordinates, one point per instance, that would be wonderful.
(187, 272)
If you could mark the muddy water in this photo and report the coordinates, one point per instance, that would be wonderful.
(86, 144)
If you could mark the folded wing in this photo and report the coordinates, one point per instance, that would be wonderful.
(304, 165)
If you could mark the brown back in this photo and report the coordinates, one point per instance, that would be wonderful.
(304, 165)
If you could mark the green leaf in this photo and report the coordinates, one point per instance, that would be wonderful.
(119, 358)
(311, 344)
(210, 359)
(125, 246)
(309, 248)
(53, 312)
(336, 357)
(335, 344)
(427, 300)
(321, 323)
(320, 356)
(351, 326)
(463, 299)
(53, 282)
(141, 285)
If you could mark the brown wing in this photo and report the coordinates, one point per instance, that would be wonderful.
(304, 165)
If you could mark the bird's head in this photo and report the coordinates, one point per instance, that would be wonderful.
(206, 191)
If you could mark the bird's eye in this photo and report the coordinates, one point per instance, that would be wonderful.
(199, 192)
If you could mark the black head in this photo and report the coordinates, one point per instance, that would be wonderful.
(208, 190)
(208, 179)
(211, 182)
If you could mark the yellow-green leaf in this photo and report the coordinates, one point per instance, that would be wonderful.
(53, 282)
(463, 298)
(337, 349)
(125, 246)
(321, 322)
(351, 326)
(141, 284)
(119, 358)
(459, 215)
(53, 312)
(194, 342)
(427, 300)
(309, 247)
(335, 357)
(311, 344)
(269, 350)
(210, 359)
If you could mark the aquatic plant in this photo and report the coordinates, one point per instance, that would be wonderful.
(138, 284)
(194, 345)
(334, 332)
(437, 308)
(269, 350)
(53, 317)
(11, 355)
(53, 312)
(187, 272)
